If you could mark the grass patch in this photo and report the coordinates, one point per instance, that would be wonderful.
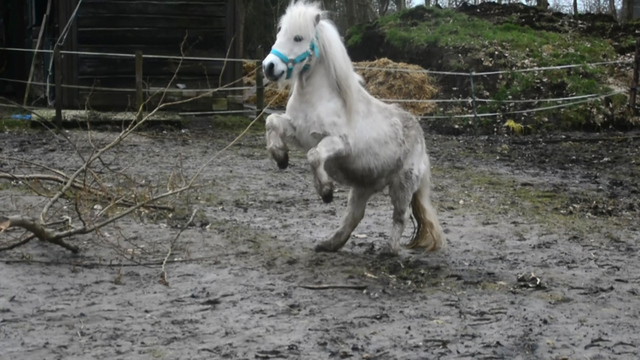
(11, 124)
(468, 43)
(496, 197)
(452, 29)
(236, 124)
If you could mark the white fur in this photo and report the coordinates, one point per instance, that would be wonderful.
(349, 136)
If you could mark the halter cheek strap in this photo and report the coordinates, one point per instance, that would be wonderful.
(313, 51)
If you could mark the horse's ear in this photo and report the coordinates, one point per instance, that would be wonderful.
(317, 19)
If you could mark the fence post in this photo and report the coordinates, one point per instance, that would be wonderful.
(475, 110)
(139, 95)
(259, 84)
(634, 86)
(58, 80)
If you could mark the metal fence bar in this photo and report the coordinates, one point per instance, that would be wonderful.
(198, 58)
(475, 109)
(259, 85)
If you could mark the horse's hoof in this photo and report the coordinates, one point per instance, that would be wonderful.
(284, 163)
(326, 192)
(326, 246)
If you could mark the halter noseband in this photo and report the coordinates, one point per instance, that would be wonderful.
(313, 51)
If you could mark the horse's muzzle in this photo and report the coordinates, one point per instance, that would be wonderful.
(270, 71)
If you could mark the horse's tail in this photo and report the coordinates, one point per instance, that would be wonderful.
(429, 234)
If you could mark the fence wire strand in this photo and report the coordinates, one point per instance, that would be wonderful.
(514, 112)
(580, 99)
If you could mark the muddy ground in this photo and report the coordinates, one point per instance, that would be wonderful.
(541, 261)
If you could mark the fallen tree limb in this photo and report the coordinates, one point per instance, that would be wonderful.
(38, 230)
(587, 140)
(163, 273)
(334, 286)
(79, 186)
(18, 244)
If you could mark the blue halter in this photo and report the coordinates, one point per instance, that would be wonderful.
(313, 51)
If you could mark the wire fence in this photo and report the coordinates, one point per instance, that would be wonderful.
(562, 102)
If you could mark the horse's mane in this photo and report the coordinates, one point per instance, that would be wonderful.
(332, 51)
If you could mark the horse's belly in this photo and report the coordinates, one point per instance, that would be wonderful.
(351, 173)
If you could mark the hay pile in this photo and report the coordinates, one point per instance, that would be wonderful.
(248, 67)
(398, 84)
(380, 83)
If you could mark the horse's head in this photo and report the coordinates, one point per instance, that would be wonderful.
(296, 43)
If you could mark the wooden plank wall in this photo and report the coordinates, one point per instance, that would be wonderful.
(155, 27)
(69, 61)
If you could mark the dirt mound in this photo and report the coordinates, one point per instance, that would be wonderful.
(381, 81)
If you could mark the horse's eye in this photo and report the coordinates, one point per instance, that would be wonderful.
(279, 28)
(297, 38)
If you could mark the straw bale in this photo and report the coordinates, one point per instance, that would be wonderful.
(382, 84)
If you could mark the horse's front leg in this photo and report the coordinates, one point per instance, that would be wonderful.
(279, 128)
(328, 148)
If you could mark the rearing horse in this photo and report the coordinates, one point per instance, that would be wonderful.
(350, 137)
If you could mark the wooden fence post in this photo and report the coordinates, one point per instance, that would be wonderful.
(139, 94)
(475, 108)
(58, 79)
(43, 25)
(634, 86)
(259, 84)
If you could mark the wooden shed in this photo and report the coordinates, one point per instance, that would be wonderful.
(102, 29)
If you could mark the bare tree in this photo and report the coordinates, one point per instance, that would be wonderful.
(96, 194)
(628, 5)
(542, 4)
(351, 12)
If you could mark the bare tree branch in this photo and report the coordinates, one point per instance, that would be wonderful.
(163, 273)
(87, 181)
(18, 244)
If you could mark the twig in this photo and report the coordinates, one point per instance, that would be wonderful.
(100, 264)
(224, 65)
(333, 286)
(29, 162)
(242, 134)
(589, 139)
(163, 272)
(43, 122)
(38, 226)
(18, 244)
(79, 186)
(133, 126)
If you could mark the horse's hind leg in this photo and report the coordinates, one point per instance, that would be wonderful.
(401, 191)
(278, 128)
(358, 198)
(327, 149)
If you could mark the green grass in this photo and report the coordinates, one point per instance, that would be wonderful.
(473, 44)
(12, 124)
(449, 28)
(237, 124)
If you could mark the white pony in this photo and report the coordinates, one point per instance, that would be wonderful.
(349, 136)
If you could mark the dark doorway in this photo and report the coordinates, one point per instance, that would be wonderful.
(14, 64)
